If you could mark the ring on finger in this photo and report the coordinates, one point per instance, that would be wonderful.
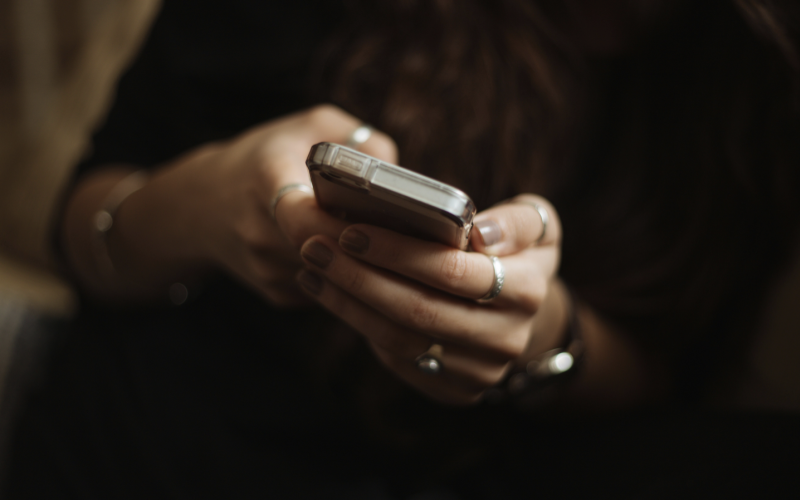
(543, 214)
(295, 186)
(359, 136)
(497, 281)
(430, 361)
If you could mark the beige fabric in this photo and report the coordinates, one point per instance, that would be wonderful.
(59, 62)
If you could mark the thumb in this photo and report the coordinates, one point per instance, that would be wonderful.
(524, 221)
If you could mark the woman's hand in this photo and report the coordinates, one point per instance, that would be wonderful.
(404, 295)
(211, 208)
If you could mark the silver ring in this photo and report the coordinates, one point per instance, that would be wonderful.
(359, 136)
(499, 279)
(295, 186)
(430, 361)
(545, 219)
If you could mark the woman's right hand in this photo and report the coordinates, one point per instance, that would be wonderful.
(211, 207)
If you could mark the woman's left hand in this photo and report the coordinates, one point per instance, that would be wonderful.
(405, 294)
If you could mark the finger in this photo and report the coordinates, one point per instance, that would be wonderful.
(472, 369)
(418, 307)
(466, 274)
(513, 226)
(270, 269)
(319, 124)
(375, 327)
(527, 278)
(330, 123)
(283, 145)
(299, 218)
(277, 288)
(381, 146)
(444, 389)
(280, 252)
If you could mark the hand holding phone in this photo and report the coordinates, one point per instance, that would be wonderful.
(361, 188)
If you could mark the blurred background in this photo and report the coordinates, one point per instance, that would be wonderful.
(59, 63)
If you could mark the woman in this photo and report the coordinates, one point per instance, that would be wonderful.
(643, 126)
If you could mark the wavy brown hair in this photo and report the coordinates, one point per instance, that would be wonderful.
(455, 90)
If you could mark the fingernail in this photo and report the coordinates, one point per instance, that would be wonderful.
(317, 254)
(311, 282)
(354, 241)
(489, 231)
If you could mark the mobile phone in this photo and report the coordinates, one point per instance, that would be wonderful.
(360, 188)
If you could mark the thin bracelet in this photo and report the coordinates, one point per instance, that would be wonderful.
(103, 219)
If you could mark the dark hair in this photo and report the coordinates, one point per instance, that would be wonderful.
(673, 164)
(452, 83)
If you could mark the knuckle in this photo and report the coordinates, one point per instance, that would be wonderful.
(384, 147)
(206, 150)
(530, 297)
(389, 253)
(455, 267)
(530, 300)
(322, 113)
(264, 156)
(252, 236)
(354, 282)
(297, 230)
(423, 315)
(242, 232)
(262, 153)
(519, 224)
(491, 377)
(512, 346)
(296, 233)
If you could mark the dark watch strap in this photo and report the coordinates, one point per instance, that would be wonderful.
(532, 385)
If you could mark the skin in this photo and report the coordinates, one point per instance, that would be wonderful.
(209, 211)
(429, 295)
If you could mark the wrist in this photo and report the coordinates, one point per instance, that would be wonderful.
(156, 244)
(103, 220)
(552, 357)
(156, 229)
(115, 246)
(538, 379)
